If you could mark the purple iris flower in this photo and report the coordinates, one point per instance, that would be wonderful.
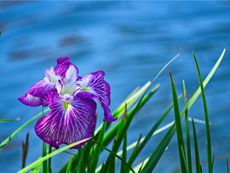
(72, 115)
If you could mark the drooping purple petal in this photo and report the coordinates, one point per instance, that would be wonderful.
(63, 64)
(30, 100)
(67, 123)
(63, 77)
(41, 88)
(92, 86)
(37, 93)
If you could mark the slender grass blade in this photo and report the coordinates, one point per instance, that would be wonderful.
(8, 139)
(197, 154)
(158, 152)
(54, 153)
(227, 167)
(68, 170)
(208, 135)
(119, 135)
(179, 132)
(149, 135)
(44, 153)
(124, 154)
(25, 149)
(9, 120)
(189, 157)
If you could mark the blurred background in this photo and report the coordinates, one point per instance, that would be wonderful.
(131, 42)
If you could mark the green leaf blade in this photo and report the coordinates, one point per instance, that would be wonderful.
(189, 156)
(208, 133)
(196, 146)
(52, 154)
(179, 132)
(158, 152)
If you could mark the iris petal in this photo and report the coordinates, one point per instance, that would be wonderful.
(68, 84)
(37, 93)
(41, 89)
(63, 64)
(93, 85)
(65, 70)
(30, 100)
(67, 123)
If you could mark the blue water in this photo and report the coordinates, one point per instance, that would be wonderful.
(130, 41)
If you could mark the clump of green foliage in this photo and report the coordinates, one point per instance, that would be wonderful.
(112, 138)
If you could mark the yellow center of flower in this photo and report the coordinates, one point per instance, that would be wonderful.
(85, 89)
(66, 105)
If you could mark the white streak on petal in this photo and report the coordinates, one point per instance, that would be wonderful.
(69, 82)
(51, 77)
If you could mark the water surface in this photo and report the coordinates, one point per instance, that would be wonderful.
(130, 41)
